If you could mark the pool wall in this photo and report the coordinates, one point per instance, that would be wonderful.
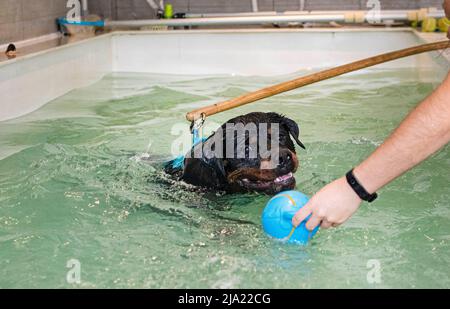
(29, 82)
(256, 52)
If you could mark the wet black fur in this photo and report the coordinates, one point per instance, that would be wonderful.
(212, 172)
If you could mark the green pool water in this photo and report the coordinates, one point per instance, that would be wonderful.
(72, 187)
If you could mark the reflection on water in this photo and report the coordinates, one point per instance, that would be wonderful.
(71, 187)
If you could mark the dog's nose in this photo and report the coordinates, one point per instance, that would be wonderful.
(285, 158)
(287, 163)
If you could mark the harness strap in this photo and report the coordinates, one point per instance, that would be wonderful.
(197, 130)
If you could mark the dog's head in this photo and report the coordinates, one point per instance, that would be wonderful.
(253, 152)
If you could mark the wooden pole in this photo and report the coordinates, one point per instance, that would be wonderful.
(312, 78)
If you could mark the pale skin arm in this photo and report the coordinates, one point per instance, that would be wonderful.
(424, 131)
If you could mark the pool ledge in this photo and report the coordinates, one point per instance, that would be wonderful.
(30, 81)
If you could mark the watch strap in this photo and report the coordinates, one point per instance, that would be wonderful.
(359, 189)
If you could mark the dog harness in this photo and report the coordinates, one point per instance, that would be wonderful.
(197, 137)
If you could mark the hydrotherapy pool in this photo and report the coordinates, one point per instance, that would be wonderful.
(71, 187)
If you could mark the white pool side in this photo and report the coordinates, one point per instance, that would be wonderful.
(29, 82)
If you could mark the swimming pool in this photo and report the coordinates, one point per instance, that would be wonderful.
(71, 186)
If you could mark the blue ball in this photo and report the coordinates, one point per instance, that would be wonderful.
(278, 214)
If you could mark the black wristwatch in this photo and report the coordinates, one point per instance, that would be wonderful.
(359, 189)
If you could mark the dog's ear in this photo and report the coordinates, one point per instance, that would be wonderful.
(293, 130)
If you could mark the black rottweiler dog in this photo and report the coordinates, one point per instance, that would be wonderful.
(231, 171)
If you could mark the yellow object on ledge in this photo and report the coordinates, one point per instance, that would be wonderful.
(443, 24)
(429, 24)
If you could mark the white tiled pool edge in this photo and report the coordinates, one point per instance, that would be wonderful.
(29, 82)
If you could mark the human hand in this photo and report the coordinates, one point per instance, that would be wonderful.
(331, 206)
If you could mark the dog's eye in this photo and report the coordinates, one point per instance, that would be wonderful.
(248, 150)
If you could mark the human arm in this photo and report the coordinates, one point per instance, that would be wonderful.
(424, 131)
